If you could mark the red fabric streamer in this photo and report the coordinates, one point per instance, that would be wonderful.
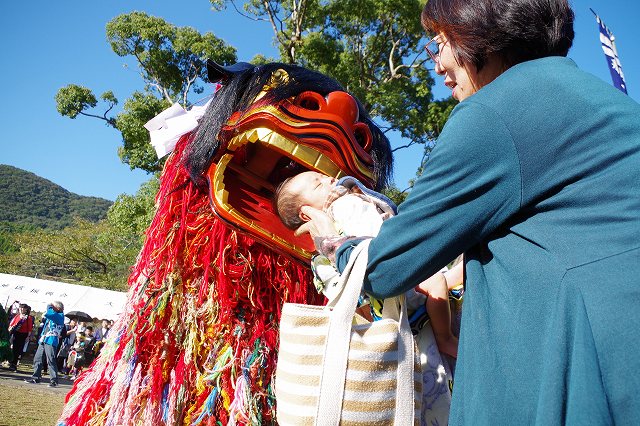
(197, 288)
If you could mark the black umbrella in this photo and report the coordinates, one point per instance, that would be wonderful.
(79, 316)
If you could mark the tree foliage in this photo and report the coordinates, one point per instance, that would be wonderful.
(85, 252)
(395, 194)
(171, 61)
(74, 100)
(136, 149)
(96, 254)
(131, 215)
(375, 48)
(85, 248)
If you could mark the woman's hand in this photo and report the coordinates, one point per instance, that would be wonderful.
(318, 224)
(322, 229)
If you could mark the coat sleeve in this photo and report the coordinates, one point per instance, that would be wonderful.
(471, 185)
(50, 314)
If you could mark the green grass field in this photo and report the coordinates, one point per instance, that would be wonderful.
(23, 404)
(29, 405)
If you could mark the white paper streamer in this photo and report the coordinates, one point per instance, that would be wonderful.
(167, 127)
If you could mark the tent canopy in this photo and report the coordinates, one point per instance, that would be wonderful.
(37, 293)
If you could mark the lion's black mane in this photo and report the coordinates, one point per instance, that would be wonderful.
(238, 92)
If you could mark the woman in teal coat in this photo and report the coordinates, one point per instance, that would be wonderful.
(536, 178)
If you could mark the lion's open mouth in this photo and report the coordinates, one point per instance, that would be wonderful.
(265, 147)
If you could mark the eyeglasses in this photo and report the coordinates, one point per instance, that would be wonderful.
(433, 49)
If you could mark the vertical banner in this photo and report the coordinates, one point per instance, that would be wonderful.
(609, 47)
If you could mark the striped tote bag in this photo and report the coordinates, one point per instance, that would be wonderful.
(336, 368)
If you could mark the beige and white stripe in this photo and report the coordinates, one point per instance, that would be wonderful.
(371, 379)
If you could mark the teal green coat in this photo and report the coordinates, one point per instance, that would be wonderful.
(536, 178)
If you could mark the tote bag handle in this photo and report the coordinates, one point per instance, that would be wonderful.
(343, 307)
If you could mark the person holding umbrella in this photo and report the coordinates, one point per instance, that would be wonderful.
(47, 344)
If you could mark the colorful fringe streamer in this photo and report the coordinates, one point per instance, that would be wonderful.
(197, 341)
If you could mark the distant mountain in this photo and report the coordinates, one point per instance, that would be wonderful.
(29, 200)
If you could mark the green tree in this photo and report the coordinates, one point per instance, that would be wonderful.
(395, 194)
(8, 232)
(75, 253)
(74, 100)
(131, 215)
(7, 245)
(172, 63)
(86, 253)
(96, 254)
(374, 48)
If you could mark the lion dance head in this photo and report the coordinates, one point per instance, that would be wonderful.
(197, 340)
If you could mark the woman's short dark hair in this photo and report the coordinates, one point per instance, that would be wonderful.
(514, 30)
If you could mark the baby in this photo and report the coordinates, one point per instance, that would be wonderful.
(356, 209)
(359, 212)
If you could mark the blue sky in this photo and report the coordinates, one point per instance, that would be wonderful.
(51, 44)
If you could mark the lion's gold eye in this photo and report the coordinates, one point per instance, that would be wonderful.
(279, 77)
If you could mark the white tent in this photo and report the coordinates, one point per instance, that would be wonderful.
(37, 293)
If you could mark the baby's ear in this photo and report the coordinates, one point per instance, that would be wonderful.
(303, 216)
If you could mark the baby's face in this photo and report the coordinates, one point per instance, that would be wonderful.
(313, 188)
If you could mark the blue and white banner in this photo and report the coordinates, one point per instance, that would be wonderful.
(608, 46)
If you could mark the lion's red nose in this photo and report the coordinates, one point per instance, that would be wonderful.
(343, 105)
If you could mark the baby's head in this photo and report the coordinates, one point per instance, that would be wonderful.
(305, 189)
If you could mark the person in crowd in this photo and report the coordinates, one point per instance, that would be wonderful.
(88, 332)
(360, 213)
(81, 327)
(14, 309)
(21, 327)
(90, 348)
(65, 346)
(100, 335)
(5, 336)
(38, 335)
(47, 344)
(77, 354)
(30, 338)
(535, 179)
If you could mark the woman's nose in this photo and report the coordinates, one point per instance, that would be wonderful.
(439, 69)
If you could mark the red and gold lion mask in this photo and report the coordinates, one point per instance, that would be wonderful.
(278, 128)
